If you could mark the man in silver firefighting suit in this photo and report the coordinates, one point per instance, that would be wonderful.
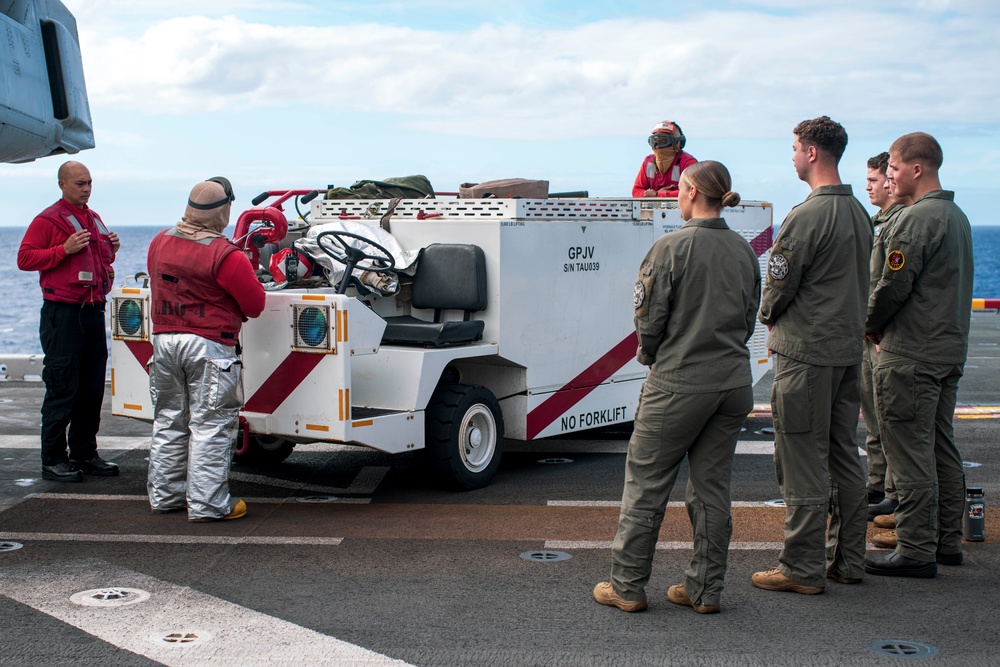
(203, 289)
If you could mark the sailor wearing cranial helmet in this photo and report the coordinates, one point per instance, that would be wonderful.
(660, 173)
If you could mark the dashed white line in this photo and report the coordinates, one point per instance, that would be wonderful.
(231, 634)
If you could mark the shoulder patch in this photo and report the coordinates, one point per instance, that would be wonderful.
(777, 266)
(640, 294)
(895, 260)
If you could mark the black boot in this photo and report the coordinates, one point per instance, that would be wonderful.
(95, 465)
(62, 472)
(896, 565)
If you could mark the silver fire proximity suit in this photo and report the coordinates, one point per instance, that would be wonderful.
(202, 289)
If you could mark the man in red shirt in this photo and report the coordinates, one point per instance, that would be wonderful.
(203, 289)
(72, 251)
(660, 172)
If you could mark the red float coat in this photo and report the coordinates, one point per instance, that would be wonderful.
(206, 287)
(83, 277)
(650, 179)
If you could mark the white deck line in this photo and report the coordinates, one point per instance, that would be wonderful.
(674, 546)
(104, 442)
(134, 498)
(618, 503)
(583, 446)
(169, 539)
(128, 442)
(662, 546)
(231, 634)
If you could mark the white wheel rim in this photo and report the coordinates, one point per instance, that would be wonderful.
(477, 438)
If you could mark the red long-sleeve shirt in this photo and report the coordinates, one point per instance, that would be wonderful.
(237, 277)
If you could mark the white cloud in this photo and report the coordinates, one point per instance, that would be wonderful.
(609, 78)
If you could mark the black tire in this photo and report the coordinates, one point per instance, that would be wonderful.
(464, 435)
(266, 450)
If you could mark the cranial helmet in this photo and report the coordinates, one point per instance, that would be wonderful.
(662, 135)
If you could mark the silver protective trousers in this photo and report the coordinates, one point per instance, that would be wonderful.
(197, 390)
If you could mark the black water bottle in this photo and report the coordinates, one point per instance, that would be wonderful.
(974, 523)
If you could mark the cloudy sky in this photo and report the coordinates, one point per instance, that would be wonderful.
(298, 93)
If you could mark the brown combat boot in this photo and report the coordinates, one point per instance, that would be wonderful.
(774, 580)
(604, 593)
(678, 595)
(886, 540)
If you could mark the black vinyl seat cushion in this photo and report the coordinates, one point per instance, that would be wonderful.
(408, 330)
(448, 277)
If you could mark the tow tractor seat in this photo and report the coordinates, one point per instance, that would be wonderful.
(449, 276)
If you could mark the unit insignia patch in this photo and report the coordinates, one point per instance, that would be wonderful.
(895, 260)
(777, 266)
(640, 294)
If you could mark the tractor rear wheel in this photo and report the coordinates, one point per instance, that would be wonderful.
(265, 450)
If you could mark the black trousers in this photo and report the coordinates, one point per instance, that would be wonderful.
(76, 360)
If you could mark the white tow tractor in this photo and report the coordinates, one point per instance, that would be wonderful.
(515, 321)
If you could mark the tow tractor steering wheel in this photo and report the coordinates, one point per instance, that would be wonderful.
(343, 252)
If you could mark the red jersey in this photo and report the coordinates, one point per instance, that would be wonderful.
(650, 179)
(83, 277)
(206, 288)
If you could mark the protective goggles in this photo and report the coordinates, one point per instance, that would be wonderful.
(663, 140)
(226, 185)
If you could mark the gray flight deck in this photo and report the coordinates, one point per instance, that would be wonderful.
(351, 557)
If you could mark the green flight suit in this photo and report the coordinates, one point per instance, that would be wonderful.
(922, 305)
(695, 301)
(879, 474)
(814, 299)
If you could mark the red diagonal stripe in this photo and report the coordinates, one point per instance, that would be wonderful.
(584, 383)
(286, 377)
(142, 350)
(762, 242)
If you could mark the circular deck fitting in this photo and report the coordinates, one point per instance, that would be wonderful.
(775, 502)
(10, 546)
(554, 461)
(185, 637)
(317, 499)
(543, 556)
(109, 597)
(767, 430)
(901, 648)
(971, 464)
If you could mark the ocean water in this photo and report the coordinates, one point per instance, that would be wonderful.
(22, 297)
